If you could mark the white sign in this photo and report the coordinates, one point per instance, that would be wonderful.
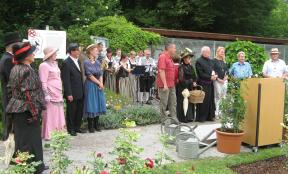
(45, 38)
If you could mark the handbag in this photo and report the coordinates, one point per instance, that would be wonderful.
(197, 95)
(9, 149)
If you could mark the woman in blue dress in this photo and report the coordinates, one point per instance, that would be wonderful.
(94, 102)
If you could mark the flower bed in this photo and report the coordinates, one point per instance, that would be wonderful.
(121, 109)
(272, 166)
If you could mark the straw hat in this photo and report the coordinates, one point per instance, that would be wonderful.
(274, 51)
(186, 52)
(48, 52)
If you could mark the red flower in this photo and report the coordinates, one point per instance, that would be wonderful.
(149, 163)
(178, 172)
(104, 172)
(122, 161)
(99, 155)
(18, 161)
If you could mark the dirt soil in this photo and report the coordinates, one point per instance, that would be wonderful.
(270, 166)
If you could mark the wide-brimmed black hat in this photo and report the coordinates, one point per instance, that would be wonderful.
(11, 37)
(72, 47)
(22, 50)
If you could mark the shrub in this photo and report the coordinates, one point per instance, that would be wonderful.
(22, 163)
(233, 108)
(59, 145)
(79, 35)
(122, 34)
(142, 115)
(254, 54)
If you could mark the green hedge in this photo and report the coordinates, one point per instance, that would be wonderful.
(121, 34)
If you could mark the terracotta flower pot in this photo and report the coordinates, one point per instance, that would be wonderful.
(229, 143)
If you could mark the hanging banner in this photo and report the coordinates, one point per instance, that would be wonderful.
(45, 38)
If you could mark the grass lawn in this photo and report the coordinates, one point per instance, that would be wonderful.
(218, 165)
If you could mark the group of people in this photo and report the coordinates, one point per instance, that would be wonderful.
(122, 76)
(31, 98)
(209, 73)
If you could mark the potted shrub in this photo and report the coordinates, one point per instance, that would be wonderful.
(232, 107)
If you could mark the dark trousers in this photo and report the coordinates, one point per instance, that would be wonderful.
(28, 137)
(6, 119)
(206, 110)
(74, 115)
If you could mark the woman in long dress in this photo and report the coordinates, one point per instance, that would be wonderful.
(109, 69)
(94, 101)
(26, 101)
(49, 72)
(132, 77)
(187, 79)
(123, 70)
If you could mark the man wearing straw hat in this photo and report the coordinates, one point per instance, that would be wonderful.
(275, 67)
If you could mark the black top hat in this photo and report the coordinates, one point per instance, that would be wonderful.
(11, 37)
(22, 50)
(109, 50)
(72, 47)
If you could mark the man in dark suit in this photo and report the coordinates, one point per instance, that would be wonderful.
(6, 64)
(71, 74)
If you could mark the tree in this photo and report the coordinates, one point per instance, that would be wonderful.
(233, 16)
(21, 15)
(277, 23)
(122, 34)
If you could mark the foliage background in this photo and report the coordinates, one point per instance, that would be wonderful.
(254, 54)
(121, 34)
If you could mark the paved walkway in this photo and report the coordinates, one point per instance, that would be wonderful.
(83, 145)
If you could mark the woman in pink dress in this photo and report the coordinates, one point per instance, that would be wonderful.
(49, 72)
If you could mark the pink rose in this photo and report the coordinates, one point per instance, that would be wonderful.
(122, 161)
(18, 161)
(99, 155)
(104, 172)
(149, 163)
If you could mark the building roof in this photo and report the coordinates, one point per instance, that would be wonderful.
(215, 36)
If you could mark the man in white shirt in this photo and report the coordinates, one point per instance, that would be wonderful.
(275, 67)
(148, 79)
(71, 74)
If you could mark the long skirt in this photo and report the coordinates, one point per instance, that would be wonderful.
(53, 119)
(110, 81)
(206, 110)
(189, 117)
(133, 86)
(28, 137)
(125, 87)
(94, 101)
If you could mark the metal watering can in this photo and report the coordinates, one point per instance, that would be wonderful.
(172, 127)
(188, 145)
